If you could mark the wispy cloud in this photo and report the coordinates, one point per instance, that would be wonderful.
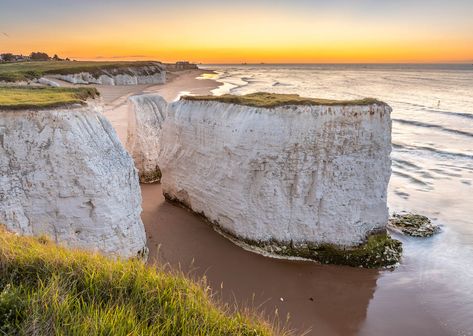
(127, 56)
(5, 34)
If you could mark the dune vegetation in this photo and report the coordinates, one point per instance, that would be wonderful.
(268, 100)
(24, 97)
(50, 290)
(24, 71)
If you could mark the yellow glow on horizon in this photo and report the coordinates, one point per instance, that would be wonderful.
(250, 37)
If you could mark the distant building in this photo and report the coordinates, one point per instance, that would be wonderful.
(181, 65)
(9, 57)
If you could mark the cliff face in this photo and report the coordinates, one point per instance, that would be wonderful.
(294, 174)
(146, 115)
(150, 74)
(65, 174)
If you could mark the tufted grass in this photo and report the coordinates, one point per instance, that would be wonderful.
(50, 290)
(24, 97)
(24, 71)
(268, 100)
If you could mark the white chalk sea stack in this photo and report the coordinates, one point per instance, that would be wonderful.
(133, 75)
(146, 114)
(65, 174)
(294, 177)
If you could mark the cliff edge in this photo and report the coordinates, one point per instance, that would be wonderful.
(153, 73)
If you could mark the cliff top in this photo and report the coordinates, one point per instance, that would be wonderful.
(23, 71)
(24, 97)
(265, 99)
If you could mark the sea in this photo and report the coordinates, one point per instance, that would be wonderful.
(432, 174)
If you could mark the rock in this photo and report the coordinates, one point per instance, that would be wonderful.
(65, 174)
(149, 74)
(47, 82)
(146, 115)
(413, 225)
(285, 176)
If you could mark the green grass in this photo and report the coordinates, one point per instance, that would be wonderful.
(24, 71)
(24, 97)
(49, 290)
(268, 100)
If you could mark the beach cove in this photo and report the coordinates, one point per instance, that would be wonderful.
(332, 300)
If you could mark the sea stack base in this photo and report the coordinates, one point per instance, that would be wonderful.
(378, 251)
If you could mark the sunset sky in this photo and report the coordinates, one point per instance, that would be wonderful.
(272, 31)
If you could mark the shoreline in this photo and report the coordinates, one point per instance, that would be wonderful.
(184, 241)
(325, 299)
(114, 98)
(321, 253)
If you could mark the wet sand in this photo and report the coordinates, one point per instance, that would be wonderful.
(334, 299)
(325, 299)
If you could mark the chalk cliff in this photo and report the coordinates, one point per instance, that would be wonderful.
(65, 174)
(293, 174)
(133, 75)
(47, 82)
(146, 114)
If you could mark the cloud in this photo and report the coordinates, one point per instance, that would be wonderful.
(127, 56)
(5, 34)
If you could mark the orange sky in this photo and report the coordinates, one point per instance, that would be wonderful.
(301, 32)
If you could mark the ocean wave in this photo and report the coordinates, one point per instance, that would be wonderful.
(428, 125)
(405, 163)
(240, 83)
(413, 179)
(281, 84)
(440, 152)
(458, 168)
(456, 114)
(444, 172)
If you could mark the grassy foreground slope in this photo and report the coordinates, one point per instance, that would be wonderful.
(24, 97)
(49, 290)
(269, 100)
(23, 71)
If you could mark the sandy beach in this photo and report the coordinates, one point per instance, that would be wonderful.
(318, 299)
(183, 82)
(332, 299)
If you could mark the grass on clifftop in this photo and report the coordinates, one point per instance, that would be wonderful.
(49, 290)
(24, 97)
(265, 99)
(24, 71)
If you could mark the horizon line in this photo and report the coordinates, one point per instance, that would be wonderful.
(332, 63)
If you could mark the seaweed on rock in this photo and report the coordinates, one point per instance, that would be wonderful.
(150, 176)
(378, 251)
(413, 225)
